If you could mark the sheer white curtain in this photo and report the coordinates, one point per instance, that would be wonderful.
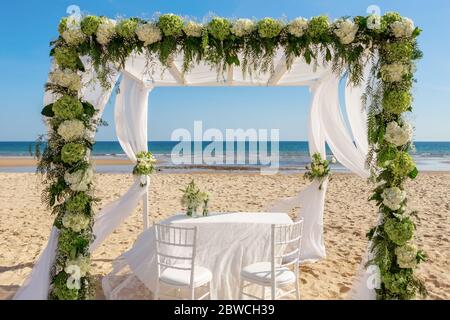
(131, 111)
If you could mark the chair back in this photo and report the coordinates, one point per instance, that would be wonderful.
(286, 242)
(175, 248)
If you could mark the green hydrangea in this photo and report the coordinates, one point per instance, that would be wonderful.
(89, 25)
(399, 284)
(318, 26)
(219, 28)
(66, 58)
(269, 28)
(61, 292)
(398, 51)
(390, 17)
(127, 28)
(68, 240)
(170, 24)
(72, 153)
(68, 108)
(62, 25)
(77, 204)
(399, 231)
(396, 102)
(402, 164)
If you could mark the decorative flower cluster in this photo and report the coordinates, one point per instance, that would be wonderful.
(243, 27)
(148, 33)
(67, 79)
(319, 169)
(192, 199)
(71, 130)
(394, 72)
(193, 29)
(79, 180)
(298, 27)
(393, 198)
(346, 30)
(398, 135)
(145, 165)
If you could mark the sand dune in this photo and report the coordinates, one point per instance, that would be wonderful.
(25, 223)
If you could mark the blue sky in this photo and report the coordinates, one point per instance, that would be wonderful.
(27, 27)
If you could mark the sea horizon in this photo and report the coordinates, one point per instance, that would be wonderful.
(293, 156)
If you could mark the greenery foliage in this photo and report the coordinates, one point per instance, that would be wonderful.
(319, 169)
(346, 45)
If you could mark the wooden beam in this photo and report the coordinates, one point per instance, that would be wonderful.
(280, 70)
(179, 77)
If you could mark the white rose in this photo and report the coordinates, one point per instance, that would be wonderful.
(148, 33)
(403, 28)
(193, 29)
(242, 27)
(106, 30)
(346, 30)
(398, 135)
(297, 27)
(393, 197)
(71, 130)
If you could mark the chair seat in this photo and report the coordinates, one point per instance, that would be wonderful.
(181, 278)
(260, 272)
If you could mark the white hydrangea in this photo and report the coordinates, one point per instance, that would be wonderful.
(73, 34)
(345, 30)
(77, 222)
(66, 78)
(81, 262)
(79, 180)
(148, 33)
(71, 130)
(393, 72)
(374, 22)
(242, 27)
(106, 30)
(73, 281)
(297, 27)
(398, 135)
(403, 28)
(193, 29)
(406, 256)
(393, 197)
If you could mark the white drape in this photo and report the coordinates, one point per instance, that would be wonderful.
(131, 128)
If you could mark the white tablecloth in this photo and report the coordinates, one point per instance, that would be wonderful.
(225, 244)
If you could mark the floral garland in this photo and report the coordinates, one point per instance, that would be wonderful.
(319, 169)
(346, 44)
(145, 166)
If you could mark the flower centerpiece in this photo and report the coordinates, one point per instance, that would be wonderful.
(145, 165)
(319, 169)
(192, 199)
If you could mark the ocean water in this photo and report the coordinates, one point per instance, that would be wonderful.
(292, 155)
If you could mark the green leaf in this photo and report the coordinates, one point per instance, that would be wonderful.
(413, 174)
(308, 56)
(88, 109)
(48, 111)
(328, 55)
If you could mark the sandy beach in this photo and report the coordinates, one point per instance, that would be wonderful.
(25, 223)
